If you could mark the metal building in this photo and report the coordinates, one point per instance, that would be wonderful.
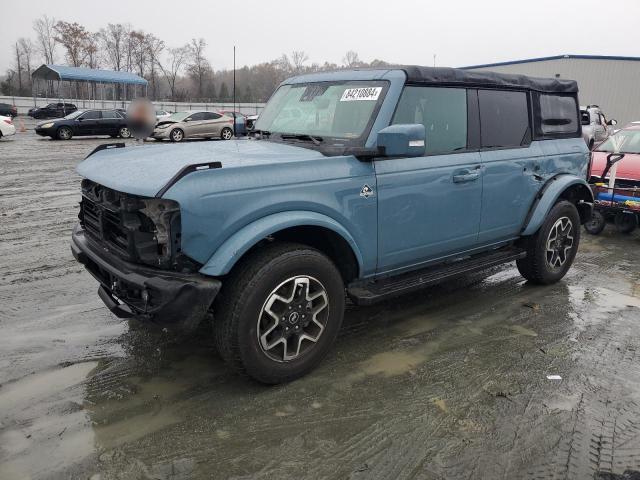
(613, 83)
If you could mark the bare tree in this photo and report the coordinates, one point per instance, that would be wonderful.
(351, 59)
(18, 70)
(198, 66)
(155, 46)
(75, 39)
(298, 59)
(46, 38)
(176, 60)
(112, 40)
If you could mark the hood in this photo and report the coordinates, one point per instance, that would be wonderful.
(147, 169)
(628, 168)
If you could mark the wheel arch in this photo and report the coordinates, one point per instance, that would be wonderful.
(308, 228)
(562, 187)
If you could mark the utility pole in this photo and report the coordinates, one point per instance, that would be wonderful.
(234, 89)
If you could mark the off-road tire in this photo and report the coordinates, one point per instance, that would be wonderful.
(176, 135)
(535, 267)
(240, 302)
(596, 223)
(626, 222)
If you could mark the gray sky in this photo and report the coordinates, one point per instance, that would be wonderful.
(403, 31)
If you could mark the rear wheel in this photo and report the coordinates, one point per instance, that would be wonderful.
(226, 133)
(279, 312)
(551, 250)
(64, 133)
(176, 135)
(596, 223)
(626, 222)
(124, 132)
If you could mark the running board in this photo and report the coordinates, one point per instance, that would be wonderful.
(370, 292)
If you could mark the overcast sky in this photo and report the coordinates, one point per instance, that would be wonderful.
(459, 33)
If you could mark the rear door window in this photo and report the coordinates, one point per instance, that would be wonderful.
(211, 116)
(504, 119)
(443, 112)
(92, 115)
(558, 114)
(110, 114)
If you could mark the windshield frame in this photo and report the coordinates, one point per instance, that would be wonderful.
(328, 142)
(610, 139)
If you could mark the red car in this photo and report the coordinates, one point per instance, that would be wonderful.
(627, 141)
(619, 156)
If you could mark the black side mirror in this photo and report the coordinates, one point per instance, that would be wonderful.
(613, 121)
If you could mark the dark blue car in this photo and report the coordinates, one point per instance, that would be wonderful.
(86, 123)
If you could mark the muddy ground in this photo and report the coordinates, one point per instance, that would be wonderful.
(447, 383)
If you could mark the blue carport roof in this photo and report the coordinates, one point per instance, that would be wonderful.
(81, 74)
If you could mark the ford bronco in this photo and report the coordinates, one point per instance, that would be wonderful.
(360, 183)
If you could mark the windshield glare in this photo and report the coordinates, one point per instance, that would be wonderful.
(74, 114)
(177, 117)
(624, 141)
(337, 110)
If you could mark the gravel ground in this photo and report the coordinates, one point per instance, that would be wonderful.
(451, 382)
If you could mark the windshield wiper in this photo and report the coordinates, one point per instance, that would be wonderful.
(302, 136)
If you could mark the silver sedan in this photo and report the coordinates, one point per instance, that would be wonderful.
(194, 124)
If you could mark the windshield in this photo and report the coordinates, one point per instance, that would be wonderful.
(337, 110)
(177, 117)
(624, 141)
(74, 114)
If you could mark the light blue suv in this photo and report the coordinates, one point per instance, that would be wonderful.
(369, 183)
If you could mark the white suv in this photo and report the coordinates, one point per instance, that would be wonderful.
(6, 127)
(595, 126)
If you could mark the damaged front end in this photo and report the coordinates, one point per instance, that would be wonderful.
(131, 245)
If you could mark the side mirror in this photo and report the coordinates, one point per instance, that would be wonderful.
(187, 120)
(403, 140)
(613, 121)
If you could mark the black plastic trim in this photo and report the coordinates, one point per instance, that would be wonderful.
(106, 146)
(186, 171)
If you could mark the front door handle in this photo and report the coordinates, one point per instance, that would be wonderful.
(466, 176)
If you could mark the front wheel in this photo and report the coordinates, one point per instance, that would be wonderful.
(176, 135)
(64, 133)
(226, 133)
(124, 132)
(551, 250)
(279, 312)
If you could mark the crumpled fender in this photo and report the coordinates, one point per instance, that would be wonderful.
(225, 257)
(548, 196)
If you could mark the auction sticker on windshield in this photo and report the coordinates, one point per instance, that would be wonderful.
(362, 93)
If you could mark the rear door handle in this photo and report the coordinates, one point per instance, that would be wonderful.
(466, 176)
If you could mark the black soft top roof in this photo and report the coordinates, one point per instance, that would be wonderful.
(457, 76)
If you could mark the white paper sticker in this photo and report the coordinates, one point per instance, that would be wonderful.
(362, 93)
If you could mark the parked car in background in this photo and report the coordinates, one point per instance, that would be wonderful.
(53, 110)
(8, 110)
(595, 126)
(626, 141)
(7, 127)
(86, 123)
(369, 183)
(162, 115)
(240, 121)
(194, 124)
(251, 122)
